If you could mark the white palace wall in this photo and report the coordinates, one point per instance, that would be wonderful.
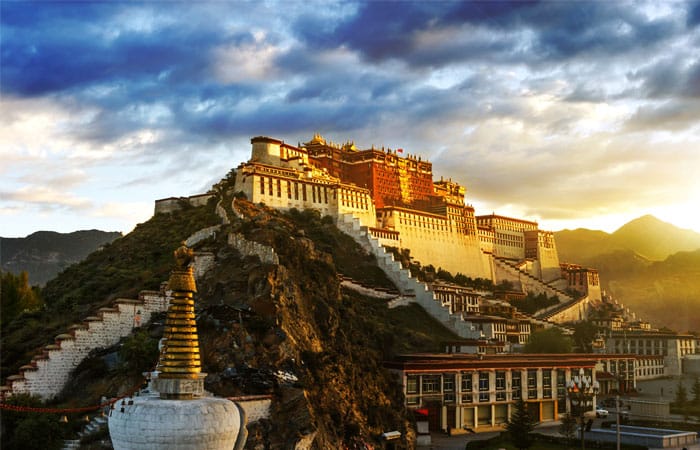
(432, 239)
(285, 189)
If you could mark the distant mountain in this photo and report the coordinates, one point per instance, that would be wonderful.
(647, 236)
(45, 253)
(581, 244)
(650, 266)
(655, 239)
(665, 293)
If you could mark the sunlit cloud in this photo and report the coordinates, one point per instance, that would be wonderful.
(567, 113)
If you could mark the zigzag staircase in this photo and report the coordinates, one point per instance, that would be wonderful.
(410, 288)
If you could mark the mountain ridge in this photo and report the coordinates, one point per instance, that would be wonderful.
(43, 254)
(646, 264)
(648, 236)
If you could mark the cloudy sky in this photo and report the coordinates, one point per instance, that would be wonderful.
(573, 114)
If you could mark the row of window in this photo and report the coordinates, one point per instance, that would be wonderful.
(431, 384)
(319, 194)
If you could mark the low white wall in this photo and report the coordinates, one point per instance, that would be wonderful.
(266, 254)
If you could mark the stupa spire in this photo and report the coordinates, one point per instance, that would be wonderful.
(180, 371)
(183, 415)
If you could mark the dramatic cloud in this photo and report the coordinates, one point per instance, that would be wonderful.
(552, 110)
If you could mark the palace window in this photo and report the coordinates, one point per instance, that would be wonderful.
(262, 185)
(279, 188)
(289, 189)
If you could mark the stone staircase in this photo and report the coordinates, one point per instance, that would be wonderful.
(530, 283)
(566, 310)
(411, 290)
(93, 426)
(71, 444)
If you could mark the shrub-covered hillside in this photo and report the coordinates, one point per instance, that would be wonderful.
(289, 330)
(137, 261)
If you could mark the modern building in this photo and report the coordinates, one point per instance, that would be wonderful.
(477, 392)
(674, 348)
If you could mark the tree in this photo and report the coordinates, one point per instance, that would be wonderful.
(139, 353)
(696, 391)
(520, 425)
(17, 296)
(549, 340)
(27, 430)
(681, 395)
(568, 427)
(584, 335)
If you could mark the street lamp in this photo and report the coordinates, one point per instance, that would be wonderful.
(581, 389)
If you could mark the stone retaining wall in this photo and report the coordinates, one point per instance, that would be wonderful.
(48, 372)
(266, 254)
(51, 368)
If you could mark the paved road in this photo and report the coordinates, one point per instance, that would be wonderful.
(441, 441)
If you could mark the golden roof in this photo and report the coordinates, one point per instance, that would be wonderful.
(317, 139)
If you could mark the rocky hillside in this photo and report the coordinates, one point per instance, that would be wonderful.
(45, 253)
(288, 330)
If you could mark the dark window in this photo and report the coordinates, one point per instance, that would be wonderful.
(500, 386)
(431, 384)
(412, 384)
(547, 383)
(531, 384)
(448, 388)
(483, 386)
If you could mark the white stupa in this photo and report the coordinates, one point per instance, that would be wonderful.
(180, 414)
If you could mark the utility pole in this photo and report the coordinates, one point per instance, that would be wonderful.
(617, 420)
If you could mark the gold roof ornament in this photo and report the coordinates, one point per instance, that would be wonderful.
(317, 139)
(179, 358)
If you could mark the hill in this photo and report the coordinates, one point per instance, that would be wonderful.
(256, 320)
(647, 265)
(665, 293)
(45, 253)
(647, 236)
(655, 239)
